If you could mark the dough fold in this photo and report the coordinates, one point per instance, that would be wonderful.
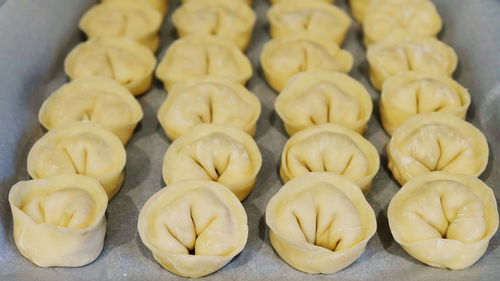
(220, 153)
(193, 227)
(444, 220)
(82, 148)
(330, 148)
(208, 99)
(59, 221)
(97, 99)
(436, 141)
(320, 222)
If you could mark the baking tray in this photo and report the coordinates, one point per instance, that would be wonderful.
(35, 37)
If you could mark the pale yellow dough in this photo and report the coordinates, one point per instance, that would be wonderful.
(221, 153)
(437, 141)
(281, 58)
(83, 148)
(159, 5)
(320, 222)
(123, 60)
(201, 55)
(59, 221)
(444, 220)
(249, 2)
(123, 19)
(97, 99)
(316, 18)
(403, 51)
(315, 98)
(409, 93)
(193, 227)
(330, 148)
(358, 8)
(208, 99)
(383, 17)
(229, 19)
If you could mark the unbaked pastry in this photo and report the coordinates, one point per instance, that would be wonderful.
(123, 19)
(383, 17)
(97, 99)
(82, 148)
(358, 8)
(193, 227)
(320, 222)
(317, 18)
(413, 92)
(314, 98)
(159, 5)
(208, 99)
(284, 57)
(444, 220)
(221, 153)
(403, 51)
(200, 55)
(436, 142)
(123, 60)
(330, 148)
(230, 19)
(59, 221)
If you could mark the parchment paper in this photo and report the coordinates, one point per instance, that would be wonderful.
(35, 37)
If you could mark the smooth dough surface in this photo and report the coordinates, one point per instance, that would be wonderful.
(59, 221)
(315, 98)
(330, 148)
(409, 93)
(316, 18)
(358, 8)
(430, 142)
(201, 55)
(281, 58)
(97, 99)
(122, 60)
(383, 17)
(230, 19)
(123, 19)
(444, 220)
(159, 5)
(83, 148)
(320, 222)
(193, 227)
(403, 51)
(208, 100)
(221, 153)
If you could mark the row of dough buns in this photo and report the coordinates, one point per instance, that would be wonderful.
(319, 221)
(78, 165)
(442, 216)
(196, 224)
(306, 37)
(122, 36)
(59, 216)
